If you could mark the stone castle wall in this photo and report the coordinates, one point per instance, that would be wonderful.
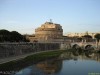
(47, 32)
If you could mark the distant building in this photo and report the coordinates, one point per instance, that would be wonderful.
(80, 34)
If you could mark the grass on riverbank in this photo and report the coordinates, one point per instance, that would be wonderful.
(19, 64)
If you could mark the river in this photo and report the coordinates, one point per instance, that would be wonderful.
(68, 63)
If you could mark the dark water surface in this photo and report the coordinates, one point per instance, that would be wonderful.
(69, 63)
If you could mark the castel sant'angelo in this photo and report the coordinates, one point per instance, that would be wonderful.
(52, 32)
(48, 32)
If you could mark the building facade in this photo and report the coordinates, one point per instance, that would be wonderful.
(48, 32)
(80, 34)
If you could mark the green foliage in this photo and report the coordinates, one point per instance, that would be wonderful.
(4, 35)
(97, 36)
(87, 36)
(14, 36)
(18, 64)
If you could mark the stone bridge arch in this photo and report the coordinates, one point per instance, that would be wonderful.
(75, 46)
(89, 47)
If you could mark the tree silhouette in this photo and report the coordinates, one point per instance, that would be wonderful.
(87, 37)
(5, 35)
(97, 36)
(14, 36)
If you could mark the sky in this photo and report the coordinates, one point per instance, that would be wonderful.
(25, 16)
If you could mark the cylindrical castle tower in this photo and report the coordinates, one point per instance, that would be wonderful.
(49, 31)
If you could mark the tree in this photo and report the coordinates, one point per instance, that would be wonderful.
(87, 37)
(4, 35)
(97, 36)
(14, 36)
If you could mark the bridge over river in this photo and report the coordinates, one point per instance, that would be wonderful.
(82, 45)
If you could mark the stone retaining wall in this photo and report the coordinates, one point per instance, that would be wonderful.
(15, 49)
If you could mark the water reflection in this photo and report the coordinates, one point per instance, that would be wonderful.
(47, 67)
(50, 66)
(68, 63)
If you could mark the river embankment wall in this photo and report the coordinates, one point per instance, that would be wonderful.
(16, 49)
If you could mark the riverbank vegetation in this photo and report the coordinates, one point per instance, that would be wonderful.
(16, 65)
(29, 60)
